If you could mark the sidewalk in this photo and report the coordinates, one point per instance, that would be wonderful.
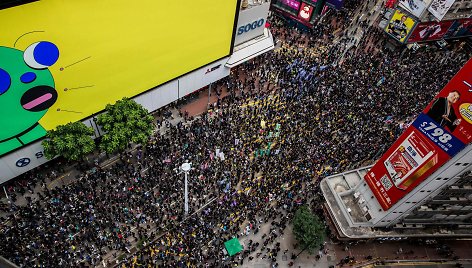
(71, 172)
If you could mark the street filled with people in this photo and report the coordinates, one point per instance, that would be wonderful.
(283, 121)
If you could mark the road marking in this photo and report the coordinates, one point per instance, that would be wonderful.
(59, 178)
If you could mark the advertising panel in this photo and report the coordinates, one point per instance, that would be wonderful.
(291, 6)
(337, 4)
(460, 28)
(428, 31)
(251, 23)
(442, 130)
(390, 3)
(415, 7)
(400, 25)
(439, 8)
(305, 12)
(63, 61)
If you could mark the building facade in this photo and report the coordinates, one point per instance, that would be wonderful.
(231, 36)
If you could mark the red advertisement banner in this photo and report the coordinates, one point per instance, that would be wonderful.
(428, 31)
(440, 132)
(460, 28)
(452, 107)
(305, 12)
(390, 3)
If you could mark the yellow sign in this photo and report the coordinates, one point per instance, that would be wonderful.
(400, 26)
(62, 61)
(466, 112)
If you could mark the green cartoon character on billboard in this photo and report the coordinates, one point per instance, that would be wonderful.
(26, 92)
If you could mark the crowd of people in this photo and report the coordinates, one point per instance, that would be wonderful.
(289, 118)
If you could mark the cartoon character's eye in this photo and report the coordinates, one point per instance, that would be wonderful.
(5, 81)
(28, 77)
(41, 55)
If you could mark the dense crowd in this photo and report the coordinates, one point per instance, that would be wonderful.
(288, 117)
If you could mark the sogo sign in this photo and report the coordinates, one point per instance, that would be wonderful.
(251, 23)
(251, 26)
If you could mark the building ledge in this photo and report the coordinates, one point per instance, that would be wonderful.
(347, 229)
(251, 49)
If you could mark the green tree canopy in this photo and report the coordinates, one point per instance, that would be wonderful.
(73, 141)
(124, 122)
(308, 229)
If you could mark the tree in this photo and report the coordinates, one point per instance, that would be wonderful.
(73, 141)
(308, 229)
(124, 122)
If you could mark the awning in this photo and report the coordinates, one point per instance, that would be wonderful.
(233, 246)
(251, 49)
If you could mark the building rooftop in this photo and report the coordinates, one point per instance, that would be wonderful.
(349, 218)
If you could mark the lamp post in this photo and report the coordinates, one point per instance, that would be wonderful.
(186, 168)
(209, 93)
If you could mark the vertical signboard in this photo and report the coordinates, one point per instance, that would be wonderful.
(400, 25)
(251, 23)
(390, 3)
(415, 7)
(429, 31)
(440, 132)
(305, 12)
(337, 4)
(439, 8)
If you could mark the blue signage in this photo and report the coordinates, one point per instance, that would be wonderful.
(441, 137)
(251, 26)
(337, 4)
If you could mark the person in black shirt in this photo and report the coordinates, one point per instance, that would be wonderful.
(442, 111)
(398, 28)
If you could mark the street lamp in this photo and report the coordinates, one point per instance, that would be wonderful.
(186, 168)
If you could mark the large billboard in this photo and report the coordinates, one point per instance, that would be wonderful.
(63, 61)
(442, 130)
(439, 8)
(460, 28)
(415, 7)
(429, 31)
(400, 25)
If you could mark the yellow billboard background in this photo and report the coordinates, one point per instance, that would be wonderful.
(397, 17)
(115, 48)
